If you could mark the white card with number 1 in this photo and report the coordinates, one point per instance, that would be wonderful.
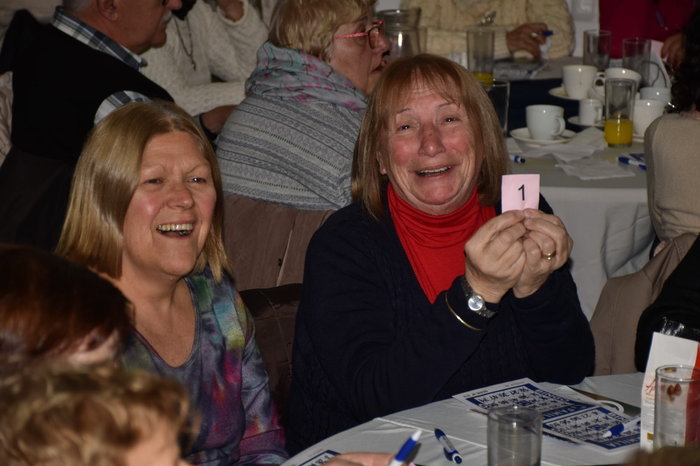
(520, 192)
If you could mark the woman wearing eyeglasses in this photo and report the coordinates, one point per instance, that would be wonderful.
(291, 140)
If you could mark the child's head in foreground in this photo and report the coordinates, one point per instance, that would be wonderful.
(101, 416)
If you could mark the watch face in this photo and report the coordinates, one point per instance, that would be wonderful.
(475, 302)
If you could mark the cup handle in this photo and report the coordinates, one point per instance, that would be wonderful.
(561, 126)
(599, 79)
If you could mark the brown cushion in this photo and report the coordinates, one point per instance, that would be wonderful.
(266, 242)
(274, 312)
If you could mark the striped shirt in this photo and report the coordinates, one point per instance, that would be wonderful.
(94, 39)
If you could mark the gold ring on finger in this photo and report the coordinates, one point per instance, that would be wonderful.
(550, 255)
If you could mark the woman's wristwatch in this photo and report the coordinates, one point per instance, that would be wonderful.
(475, 302)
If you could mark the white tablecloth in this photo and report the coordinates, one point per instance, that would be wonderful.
(607, 219)
(467, 430)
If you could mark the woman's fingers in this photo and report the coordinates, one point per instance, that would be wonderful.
(495, 255)
(496, 236)
(519, 250)
(547, 247)
(549, 232)
(527, 37)
(540, 245)
(673, 50)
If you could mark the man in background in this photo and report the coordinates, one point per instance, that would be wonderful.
(68, 75)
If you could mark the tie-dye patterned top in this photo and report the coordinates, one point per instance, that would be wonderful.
(225, 377)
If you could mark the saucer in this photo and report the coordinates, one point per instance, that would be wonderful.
(560, 92)
(523, 135)
(574, 121)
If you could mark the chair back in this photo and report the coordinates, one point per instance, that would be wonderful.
(274, 312)
(266, 243)
(621, 303)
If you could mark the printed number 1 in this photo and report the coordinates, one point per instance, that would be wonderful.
(522, 188)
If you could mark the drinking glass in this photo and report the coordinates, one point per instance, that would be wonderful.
(636, 56)
(514, 436)
(619, 109)
(402, 32)
(677, 406)
(499, 93)
(596, 48)
(480, 53)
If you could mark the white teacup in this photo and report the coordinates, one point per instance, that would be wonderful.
(590, 111)
(646, 111)
(545, 122)
(597, 91)
(578, 79)
(618, 73)
(662, 94)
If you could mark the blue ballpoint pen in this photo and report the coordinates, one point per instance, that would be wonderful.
(629, 161)
(450, 450)
(406, 449)
(620, 428)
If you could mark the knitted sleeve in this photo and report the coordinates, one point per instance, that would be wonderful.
(233, 46)
(558, 18)
(205, 44)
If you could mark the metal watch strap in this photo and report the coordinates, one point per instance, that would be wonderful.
(475, 302)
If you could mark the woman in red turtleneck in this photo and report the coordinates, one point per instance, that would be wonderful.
(422, 288)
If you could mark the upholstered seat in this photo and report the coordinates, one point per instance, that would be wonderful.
(274, 311)
(265, 242)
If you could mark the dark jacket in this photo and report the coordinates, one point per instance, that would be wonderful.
(678, 303)
(58, 84)
(368, 342)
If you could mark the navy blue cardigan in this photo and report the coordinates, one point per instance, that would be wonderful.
(368, 342)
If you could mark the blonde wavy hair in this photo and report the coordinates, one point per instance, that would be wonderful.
(394, 87)
(106, 177)
(59, 414)
(309, 25)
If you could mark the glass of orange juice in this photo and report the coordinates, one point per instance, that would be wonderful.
(619, 105)
(480, 41)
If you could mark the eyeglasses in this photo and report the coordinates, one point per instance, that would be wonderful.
(373, 34)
